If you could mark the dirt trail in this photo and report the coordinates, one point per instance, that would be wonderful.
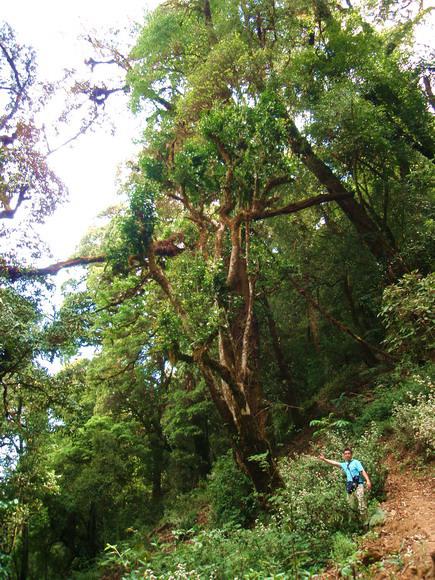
(406, 541)
(405, 546)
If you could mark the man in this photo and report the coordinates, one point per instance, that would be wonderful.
(355, 476)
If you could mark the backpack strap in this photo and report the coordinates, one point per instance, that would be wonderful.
(350, 473)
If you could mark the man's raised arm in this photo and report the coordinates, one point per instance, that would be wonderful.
(330, 461)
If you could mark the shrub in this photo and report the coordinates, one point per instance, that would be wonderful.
(294, 541)
(232, 496)
(181, 511)
(391, 389)
(408, 314)
(343, 548)
(345, 555)
(414, 422)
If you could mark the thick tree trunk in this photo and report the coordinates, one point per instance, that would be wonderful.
(242, 395)
(251, 447)
(254, 454)
(24, 559)
(157, 467)
(91, 531)
(233, 380)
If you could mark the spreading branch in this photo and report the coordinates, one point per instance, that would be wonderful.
(6, 140)
(20, 84)
(164, 248)
(429, 91)
(91, 62)
(99, 95)
(86, 125)
(15, 272)
(277, 181)
(9, 212)
(259, 214)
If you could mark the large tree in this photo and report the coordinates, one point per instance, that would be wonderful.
(263, 110)
(257, 112)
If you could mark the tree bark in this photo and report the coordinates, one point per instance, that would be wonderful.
(233, 379)
(251, 447)
(24, 559)
(91, 531)
(238, 352)
(15, 272)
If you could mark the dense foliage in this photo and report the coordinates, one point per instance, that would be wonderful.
(265, 296)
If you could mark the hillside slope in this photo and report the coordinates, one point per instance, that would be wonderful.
(405, 544)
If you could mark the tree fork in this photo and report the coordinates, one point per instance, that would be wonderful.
(252, 450)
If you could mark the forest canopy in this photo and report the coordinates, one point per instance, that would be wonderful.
(273, 267)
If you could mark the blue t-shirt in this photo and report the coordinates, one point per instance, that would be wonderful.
(351, 469)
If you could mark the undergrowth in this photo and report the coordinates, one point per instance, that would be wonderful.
(309, 523)
(295, 539)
